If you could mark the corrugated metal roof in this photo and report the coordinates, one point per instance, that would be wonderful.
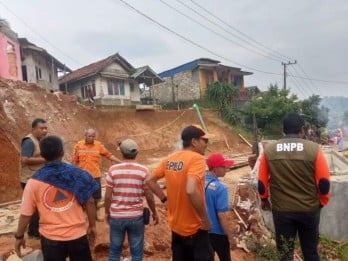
(187, 66)
(146, 75)
(25, 44)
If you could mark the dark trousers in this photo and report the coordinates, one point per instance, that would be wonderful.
(76, 250)
(98, 194)
(288, 224)
(33, 228)
(221, 246)
(196, 247)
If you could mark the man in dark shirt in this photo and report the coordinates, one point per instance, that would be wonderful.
(31, 161)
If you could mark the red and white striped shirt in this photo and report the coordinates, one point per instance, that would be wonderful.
(127, 183)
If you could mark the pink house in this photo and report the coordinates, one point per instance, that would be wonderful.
(10, 59)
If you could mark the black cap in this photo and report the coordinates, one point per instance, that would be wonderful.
(194, 132)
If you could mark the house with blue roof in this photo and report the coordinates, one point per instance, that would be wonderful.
(189, 81)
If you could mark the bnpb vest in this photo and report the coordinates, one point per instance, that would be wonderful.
(291, 163)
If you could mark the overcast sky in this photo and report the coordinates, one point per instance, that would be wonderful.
(253, 35)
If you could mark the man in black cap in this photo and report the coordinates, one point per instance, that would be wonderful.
(184, 172)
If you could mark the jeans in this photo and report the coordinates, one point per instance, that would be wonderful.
(76, 250)
(192, 248)
(288, 224)
(33, 228)
(135, 232)
(221, 246)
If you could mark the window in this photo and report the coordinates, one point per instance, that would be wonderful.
(237, 80)
(88, 91)
(131, 86)
(116, 87)
(38, 73)
(10, 47)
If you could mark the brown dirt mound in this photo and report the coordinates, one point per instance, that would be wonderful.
(156, 132)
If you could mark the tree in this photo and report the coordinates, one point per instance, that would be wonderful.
(315, 114)
(269, 108)
(221, 95)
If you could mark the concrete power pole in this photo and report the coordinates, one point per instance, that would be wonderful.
(285, 64)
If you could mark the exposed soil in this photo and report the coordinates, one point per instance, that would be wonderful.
(156, 132)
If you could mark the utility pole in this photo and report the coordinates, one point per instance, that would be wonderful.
(285, 64)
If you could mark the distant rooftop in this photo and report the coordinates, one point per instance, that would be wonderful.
(187, 66)
(195, 63)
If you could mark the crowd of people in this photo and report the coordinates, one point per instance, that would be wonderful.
(58, 196)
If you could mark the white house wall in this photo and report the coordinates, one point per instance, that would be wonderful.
(101, 89)
(32, 60)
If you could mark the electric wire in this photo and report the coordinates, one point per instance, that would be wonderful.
(270, 55)
(217, 33)
(38, 34)
(191, 41)
(282, 56)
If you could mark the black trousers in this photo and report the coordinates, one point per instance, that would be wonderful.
(98, 194)
(288, 225)
(77, 249)
(33, 228)
(221, 246)
(196, 247)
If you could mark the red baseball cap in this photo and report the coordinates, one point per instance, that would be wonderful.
(216, 160)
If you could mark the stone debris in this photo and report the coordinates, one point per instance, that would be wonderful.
(9, 217)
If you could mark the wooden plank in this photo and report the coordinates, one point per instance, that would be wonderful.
(245, 140)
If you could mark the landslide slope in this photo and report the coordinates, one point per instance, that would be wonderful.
(156, 132)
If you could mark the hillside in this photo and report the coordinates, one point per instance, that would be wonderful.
(156, 132)
(337, 106)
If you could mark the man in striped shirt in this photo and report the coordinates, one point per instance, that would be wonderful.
(125, 188)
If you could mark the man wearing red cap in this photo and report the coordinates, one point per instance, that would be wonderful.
(218, 206)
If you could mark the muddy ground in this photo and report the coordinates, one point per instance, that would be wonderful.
(156, 132)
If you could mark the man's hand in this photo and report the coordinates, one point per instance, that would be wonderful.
(205, 224)
(265, 204)
(18, 244)
(155, 218)
(92, 235)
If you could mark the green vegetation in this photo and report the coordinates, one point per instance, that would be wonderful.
(267, 108)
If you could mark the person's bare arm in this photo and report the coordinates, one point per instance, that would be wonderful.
(32, 160)
(197, 202)
(115, 159)
(91, 215)
(151, 182)
(22, 226)
(151, 203)
(107, 202)
(228, 226)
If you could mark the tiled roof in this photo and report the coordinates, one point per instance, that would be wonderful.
(95, 68)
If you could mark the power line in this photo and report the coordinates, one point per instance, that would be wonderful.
(305, 74)
(216, 33)
(38, 34)
(270, 55)
(282, 56)
(299, 86)
(191, 41)
(252, 39)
